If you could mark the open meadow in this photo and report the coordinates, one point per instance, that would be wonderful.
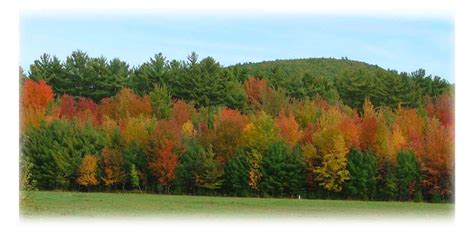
(35, 204)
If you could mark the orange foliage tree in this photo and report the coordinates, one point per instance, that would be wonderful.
(437, 163)
(255, 89)
(112, 167)
(164, 165)
(227, 137)
(289, 130)
(181, 112)
(34, 99)
(368, 133)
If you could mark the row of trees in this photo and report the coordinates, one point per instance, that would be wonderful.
(207, 83)
(278, 146)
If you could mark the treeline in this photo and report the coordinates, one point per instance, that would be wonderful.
(207, 83)
(275, 146)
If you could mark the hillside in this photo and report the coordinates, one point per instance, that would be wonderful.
(295, 68)
(349, 80)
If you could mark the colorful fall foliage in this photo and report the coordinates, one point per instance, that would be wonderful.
(88, 171)
(309, 147)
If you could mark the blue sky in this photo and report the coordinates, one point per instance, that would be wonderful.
(400, 43)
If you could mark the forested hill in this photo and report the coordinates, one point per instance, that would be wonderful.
(296, 68)
(207, 83)
(349, 80)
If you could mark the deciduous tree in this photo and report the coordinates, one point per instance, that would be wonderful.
(87, 172)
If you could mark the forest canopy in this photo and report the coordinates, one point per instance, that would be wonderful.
(318, 128)
(207, 83)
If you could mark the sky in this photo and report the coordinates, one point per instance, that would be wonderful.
(399, 43)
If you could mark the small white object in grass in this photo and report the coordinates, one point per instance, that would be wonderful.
(299, 196)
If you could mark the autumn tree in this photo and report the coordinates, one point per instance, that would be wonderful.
(442, 109)
(289, 130)
(181, 112)
(332, 173)
(164, 166)
(382, 145)
(228, 133)
(67, 107)
(87, 172)
(274, 101)
(368, 133)
(87, 110)
(188, 129)
(112, 167)
(255, 90)
(34, 99)
(350, 129)
(255, 169)
(136, 129)
(260, 132)
(310, 156)
(437, 164)
(128, 104)
(305, 113)
(411, 126)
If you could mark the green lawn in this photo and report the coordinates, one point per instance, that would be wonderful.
(53, 204)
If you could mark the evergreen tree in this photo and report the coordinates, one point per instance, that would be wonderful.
(50, 69)
(161, 101)
(408, 175)
(209, 173)
(55, 152)
(237, 173)
(188, 164)
(148, 75)
(282, 171)
(362, 168)
(387, 187)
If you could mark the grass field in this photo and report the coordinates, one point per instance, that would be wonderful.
(75, 204)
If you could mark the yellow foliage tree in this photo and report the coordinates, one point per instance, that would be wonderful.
(255, 172)
(261, 132)
(136, 129)
(398, 140)
(333, 173)
(88, 171)
(188, 129)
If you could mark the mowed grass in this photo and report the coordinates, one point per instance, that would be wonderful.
(76, 204)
